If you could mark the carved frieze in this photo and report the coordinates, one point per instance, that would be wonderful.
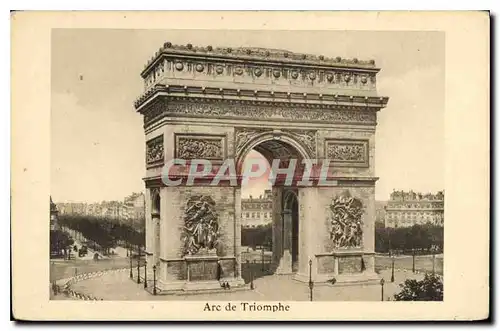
(155, 152)
(222, 110)
(201, 225)
(346, 222)
(154, 110)
(302, 76)
(348, 153)
(193, 146)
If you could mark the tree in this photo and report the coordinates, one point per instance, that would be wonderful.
(428, 289)
(60, 242)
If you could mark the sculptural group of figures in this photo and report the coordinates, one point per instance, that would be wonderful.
(201, 226)
(346, 222)
(402, 195)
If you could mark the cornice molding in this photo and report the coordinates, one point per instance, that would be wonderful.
(260, 97)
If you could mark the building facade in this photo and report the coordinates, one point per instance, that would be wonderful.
(405, 209)
(257, 211)
(134, 206)
(131, 208)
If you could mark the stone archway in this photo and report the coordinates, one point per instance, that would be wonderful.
(217, 104)
(283, 146)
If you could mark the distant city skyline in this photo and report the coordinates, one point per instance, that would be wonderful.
(97, 138)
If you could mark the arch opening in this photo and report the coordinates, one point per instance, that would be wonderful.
(273, 145)
(155, 217)
(270, 211)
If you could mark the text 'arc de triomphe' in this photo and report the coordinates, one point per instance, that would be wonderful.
(220, 103)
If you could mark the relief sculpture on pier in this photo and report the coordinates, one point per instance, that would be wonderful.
(201, 225)
(346, 222)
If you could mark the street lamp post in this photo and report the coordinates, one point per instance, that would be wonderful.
(154, 280)
(131, 274)
(138, 264)
(262, 267)
(390, 242)
(382, 282)
(145, 274)
(392, 274)
(311, 284)
(433, 260)
(251, 274)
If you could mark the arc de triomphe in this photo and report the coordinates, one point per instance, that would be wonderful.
(219, 103)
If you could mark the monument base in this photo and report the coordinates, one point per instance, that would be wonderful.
(342, 268)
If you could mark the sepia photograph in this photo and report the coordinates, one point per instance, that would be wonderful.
(179, 165)
(215, 172)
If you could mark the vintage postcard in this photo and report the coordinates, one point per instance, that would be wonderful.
(250, 166)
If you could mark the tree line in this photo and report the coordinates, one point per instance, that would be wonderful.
(260, 235)
(103, 233)
(419, 237)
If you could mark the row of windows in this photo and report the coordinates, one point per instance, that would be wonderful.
(256, 214)
(409, 222)
(428, 218)
(395, 215)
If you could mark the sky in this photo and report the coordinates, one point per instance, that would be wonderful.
(97, 138)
